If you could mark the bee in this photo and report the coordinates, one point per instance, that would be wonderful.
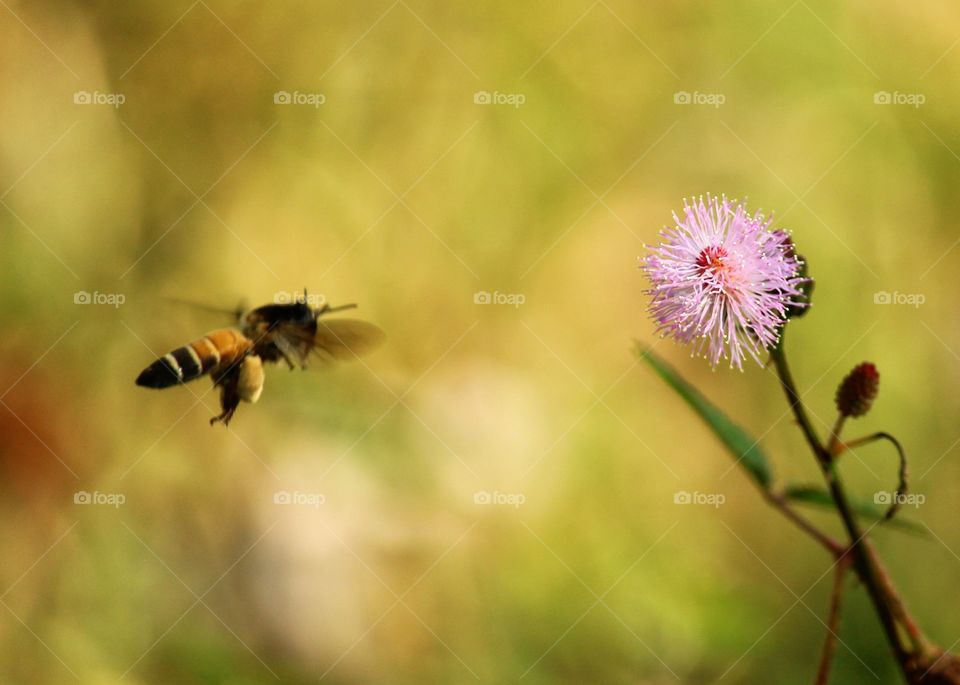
(234, 357)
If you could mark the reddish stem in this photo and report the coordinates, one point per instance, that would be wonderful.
(833, 621)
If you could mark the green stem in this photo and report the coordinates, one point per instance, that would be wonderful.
(866, 562)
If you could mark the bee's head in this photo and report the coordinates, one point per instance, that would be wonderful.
(298, 312)
(272, 314)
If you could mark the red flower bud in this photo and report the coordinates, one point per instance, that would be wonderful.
(858, 390)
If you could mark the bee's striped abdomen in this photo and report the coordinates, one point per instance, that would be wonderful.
(194, 360)
(206, 352)
(179, 366)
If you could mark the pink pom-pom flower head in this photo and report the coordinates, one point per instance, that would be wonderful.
(722, 281)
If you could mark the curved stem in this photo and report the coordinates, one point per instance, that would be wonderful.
(902, 485)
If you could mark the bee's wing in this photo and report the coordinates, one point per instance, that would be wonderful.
(234, 314)
(335, 340)
(345, 339)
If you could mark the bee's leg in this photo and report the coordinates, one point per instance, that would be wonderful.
(224, 418)
(286, 351)
(229, 398)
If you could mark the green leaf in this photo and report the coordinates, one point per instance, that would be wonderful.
(738, 442)
(817, 496)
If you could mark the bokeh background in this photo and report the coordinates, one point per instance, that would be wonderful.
(498, 481)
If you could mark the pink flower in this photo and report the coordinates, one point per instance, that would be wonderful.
(722, 281)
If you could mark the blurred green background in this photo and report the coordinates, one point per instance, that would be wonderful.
(406, 156)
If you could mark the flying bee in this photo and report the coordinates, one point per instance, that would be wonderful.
(234, 357)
